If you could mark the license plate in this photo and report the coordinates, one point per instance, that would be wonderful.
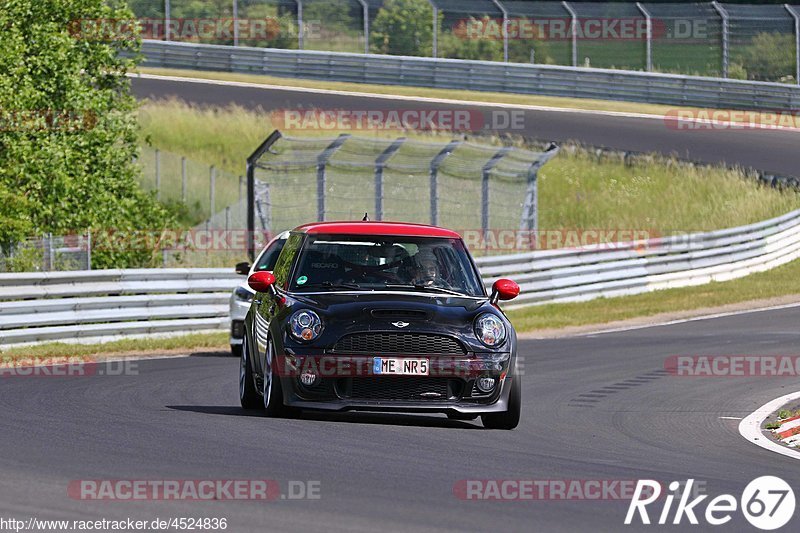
(394, 366)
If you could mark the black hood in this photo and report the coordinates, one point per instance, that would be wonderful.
(345, 313)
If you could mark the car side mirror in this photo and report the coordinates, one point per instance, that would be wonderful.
(504, 289)
(261, 281)
(242, 268)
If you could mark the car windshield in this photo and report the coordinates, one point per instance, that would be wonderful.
(368, 262)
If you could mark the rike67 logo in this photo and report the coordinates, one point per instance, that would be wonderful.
(767, 503)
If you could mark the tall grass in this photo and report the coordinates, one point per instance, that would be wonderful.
(577, 189)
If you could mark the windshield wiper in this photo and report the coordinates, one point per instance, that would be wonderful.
(428, 288)
(331, 285)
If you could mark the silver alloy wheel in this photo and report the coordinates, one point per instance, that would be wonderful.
(267, 389)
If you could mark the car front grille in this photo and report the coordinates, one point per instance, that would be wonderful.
(400, 388)
(398, 343)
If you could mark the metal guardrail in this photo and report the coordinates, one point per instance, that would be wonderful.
(104, 304)
(518, 78)
(549, 276)
(99, 305)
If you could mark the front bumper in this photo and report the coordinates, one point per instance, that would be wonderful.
(348, 384)
(498, 405)
(238, 312)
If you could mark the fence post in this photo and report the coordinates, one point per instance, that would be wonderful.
(300, 31)
(485, 172)
(322, 161)
(435, 52)
(796, 16)
(380, 163)
(503, 10)
(183, 179)
(530, 207)
(434, 175)
(211, 190)
(167, 18)
(241, 182)
(158, 174)
(365, 11)
(88, 249)
(573, 31)
(47, 252)
(649, 44)
(251, 200)
(235, 23)
(725, 38)
(227, 220)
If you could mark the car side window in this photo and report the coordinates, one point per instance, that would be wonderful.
(283, 267)
(270, 256)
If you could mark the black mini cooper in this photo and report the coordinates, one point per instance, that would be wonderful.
(379, 316)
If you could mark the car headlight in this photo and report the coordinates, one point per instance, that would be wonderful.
(243, 294)
(490, 330)
(305, 325)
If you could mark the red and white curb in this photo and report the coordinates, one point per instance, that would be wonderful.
(788, 432)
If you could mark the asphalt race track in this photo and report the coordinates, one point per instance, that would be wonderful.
(598, 407)
(768, 150)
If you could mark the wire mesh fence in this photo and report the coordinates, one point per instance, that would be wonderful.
(48, 253)
(472, 188)
(202, 189)
(744, 41)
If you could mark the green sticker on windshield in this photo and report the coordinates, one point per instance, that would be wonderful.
(301, 280)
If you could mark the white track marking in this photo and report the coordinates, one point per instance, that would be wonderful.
(750, 426)
(684, 320)
(450, 101)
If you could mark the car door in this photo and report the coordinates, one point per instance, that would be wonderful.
(265, 304)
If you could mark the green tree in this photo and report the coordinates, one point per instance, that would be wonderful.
(68, 131)
(403, 27)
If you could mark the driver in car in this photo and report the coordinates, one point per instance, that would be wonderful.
(427, 271)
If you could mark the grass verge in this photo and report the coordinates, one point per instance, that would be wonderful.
(577, 189)
(586, 104)
(217, 341)
(778, 282)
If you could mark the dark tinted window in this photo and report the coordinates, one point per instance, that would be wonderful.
(269, 257)
(283, 266)
(377, 262)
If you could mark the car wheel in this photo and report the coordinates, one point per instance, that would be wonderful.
(248, 395)
(510, 418)
(236, 350)
(272, 391)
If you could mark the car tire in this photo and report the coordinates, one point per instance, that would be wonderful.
(510, 418)
(248, 395)
(236, 350)
(272, 391)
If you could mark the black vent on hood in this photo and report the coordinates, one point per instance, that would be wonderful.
(398, 343)
(399, 313)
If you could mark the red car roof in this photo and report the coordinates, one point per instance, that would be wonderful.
(377, 228)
